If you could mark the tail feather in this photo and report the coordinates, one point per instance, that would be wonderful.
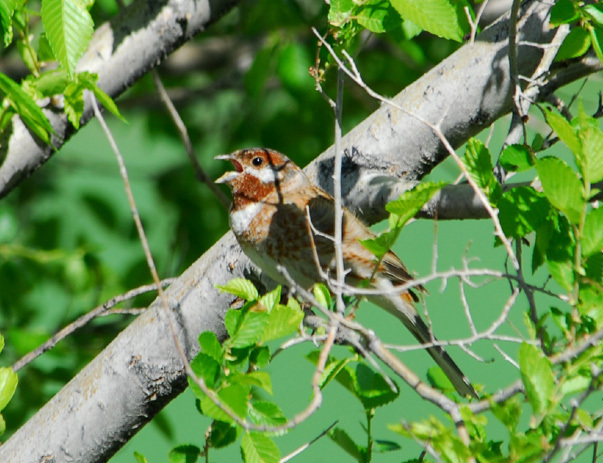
(406, 312)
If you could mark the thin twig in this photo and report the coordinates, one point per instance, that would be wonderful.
(354, 74)
(200, 173)
(306, 445)
(84, 319)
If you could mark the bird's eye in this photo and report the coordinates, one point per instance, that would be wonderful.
(257, 161)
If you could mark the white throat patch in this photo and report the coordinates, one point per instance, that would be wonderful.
(241, 219)
(266, 175)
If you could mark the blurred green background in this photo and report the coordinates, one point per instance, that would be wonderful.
(68, 242)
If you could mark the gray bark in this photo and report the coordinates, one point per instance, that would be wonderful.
(120, 52)
(140, 372)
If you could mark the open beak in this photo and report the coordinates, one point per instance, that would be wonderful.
(231, 175)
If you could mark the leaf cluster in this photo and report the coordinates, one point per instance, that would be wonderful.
(67, 30)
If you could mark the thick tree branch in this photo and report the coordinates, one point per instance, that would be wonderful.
(120, 52)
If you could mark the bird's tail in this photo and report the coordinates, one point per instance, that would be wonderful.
(401, 307)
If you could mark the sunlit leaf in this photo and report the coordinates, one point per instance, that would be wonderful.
(435, 16)
(240, 287)
(270, 299)
(259, 448)
(266, 413)
(478, 162)
(283, 321)
(575, 44)
(378, 17)
(69, 28)
(235, 397)
(8, 385)
(592, 236)
(411, 201)
(516, 158)
(210, 345)
(7, 8)
(537, 376)
(28, 110)
(561, 186)
(522, 210)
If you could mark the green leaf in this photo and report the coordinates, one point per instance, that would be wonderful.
(69, 28)
(51, 83)
(595, 11)
(596, 37)
(561, 186)
(372, 389)
(222, 434)
(592, 235)
(575, 44)
(411, 202)
(1, 343)
(435, 16)
(206, 368)
(7, 8)
(322, 295)
(235, 397)
(517, 158)
(259, 357)
(508, 412)
(259, 448)
(333, 369)
(184, 454)
(341, 12)
(564, 130)
(266, 413)
(438, 379)
(8, 385)
(537, 376)
(270, 299)
(560, 253)
(88, 81)
(283, 321)
(211, 346)
(240, 287)
(381, 244)
(26, 107)
(45, 52)
(383, 446)
(563, 12)
(341, 438)
(378, 17)
(254, 378)
(249, 328)
(74, 103)
(478, 162)
(140, 458)
(591, 139)
(522, 210)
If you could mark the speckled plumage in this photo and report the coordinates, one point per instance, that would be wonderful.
(272, 201)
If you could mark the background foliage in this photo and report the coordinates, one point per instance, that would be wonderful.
(67, 240)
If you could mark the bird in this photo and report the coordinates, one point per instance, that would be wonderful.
(280, 218)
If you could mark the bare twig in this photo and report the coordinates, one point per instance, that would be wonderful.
(306, 445)
(101, 310)
(354, 74)
(200, 173)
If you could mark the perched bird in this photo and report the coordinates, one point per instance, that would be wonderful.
(275, 206)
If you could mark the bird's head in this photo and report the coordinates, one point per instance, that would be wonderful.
(258, 173)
